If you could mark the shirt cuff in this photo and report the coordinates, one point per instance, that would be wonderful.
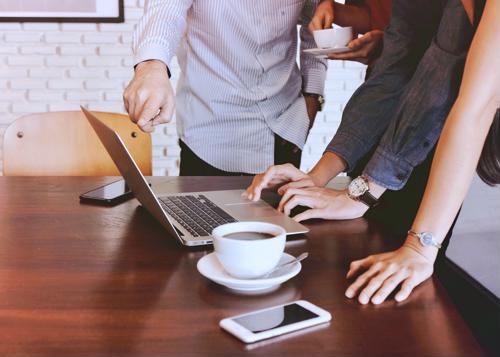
(313, 81)
(153, 52)
(388, 170)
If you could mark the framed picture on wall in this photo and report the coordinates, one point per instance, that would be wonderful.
(61, 10)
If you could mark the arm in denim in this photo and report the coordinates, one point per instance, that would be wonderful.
(372, 106)
(425, 103)
(160, 29)
(313, 69)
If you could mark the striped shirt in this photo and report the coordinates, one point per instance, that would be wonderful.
(239, 82)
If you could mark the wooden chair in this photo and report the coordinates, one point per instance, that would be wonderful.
(64, 144)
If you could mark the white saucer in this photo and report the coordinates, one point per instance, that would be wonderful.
(324, 52)
(210, 268)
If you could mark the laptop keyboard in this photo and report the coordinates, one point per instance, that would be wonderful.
(196, 213)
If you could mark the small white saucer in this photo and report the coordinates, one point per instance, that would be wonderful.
(324, 52)
(210, 268)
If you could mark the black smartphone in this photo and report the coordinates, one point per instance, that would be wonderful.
(109, 194)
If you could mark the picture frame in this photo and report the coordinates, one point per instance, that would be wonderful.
(62, 11)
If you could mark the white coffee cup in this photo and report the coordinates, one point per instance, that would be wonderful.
(251, 257)
(334, 37)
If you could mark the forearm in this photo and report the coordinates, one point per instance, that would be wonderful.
(465, 131)
(329, 166)
(356, 16)
(452, 170)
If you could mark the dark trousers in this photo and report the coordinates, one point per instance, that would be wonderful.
(192, 165)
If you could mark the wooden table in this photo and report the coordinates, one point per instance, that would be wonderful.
(78, 279)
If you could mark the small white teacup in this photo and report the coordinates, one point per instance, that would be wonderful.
(334, 37)
(248, 250)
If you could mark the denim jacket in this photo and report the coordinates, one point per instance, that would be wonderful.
(399, 112)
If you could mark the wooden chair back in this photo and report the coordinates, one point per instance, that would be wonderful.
(64, 144)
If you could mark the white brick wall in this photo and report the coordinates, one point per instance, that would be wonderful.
(52, 67)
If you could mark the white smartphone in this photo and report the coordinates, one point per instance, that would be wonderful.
(274, 321)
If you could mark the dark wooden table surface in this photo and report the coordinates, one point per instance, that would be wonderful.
(86, 280)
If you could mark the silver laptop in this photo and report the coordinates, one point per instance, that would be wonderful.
(190, 217)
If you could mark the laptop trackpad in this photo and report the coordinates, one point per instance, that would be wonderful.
(250, 210)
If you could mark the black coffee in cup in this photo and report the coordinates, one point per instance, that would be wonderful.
(248, 235)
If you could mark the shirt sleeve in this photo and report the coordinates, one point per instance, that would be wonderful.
(313, 69)
(371, 108)
(159, 31)
(425, 103)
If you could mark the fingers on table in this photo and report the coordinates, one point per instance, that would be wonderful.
(379, 281)
(389, 285)
(362, 280)
(406, 288)
(357, 265)
(375, 282)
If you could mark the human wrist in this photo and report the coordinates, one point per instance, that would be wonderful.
(316, 99)
(375, 189)
(318, 178)
(329, 166)
(152, 65)
(429, 253)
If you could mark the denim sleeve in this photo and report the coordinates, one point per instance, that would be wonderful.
(425, 102)
(370, 109)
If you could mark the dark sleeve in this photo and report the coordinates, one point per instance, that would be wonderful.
(425, 103)
(370, 109)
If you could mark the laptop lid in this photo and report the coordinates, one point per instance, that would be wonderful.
(130, 171)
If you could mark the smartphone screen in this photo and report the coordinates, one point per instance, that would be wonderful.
(277, 317)
(108, 192)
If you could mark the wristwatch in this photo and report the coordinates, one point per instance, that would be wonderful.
(359, 190)
(426, 239)
(319, 98)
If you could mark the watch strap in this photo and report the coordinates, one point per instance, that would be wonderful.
(319, 98)
(368, 199)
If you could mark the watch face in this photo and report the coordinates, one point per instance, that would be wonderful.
(426, 238)
(357, 187)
